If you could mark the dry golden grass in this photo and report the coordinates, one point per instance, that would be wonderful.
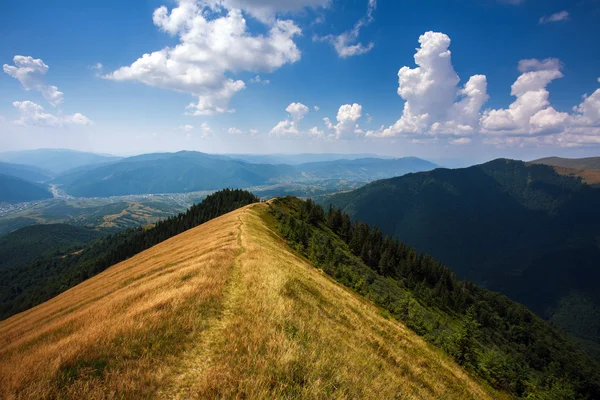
(224, 310)
(589, 176)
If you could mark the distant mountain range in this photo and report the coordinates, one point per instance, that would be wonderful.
(25, 172)
(56, 161)
(16, 190)
(193, 171)
(521, 229)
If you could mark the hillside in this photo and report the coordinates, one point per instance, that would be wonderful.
(29, 243)
(504, 225)
(25, 172)
(16, 190)
(577, 163)
(223, 310)
(189, 171)
(170, 173)
(56, 160)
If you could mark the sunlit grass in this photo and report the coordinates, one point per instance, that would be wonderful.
(224, 310)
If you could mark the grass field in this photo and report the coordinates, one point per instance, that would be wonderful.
(224, 310)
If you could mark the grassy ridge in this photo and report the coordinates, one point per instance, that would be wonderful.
(224, 310)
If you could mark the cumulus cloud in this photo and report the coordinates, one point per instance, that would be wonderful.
(556, 17)
(347, 127)
(234, 131)
(346, 44)
(316, 108)
(30, 72)
(531, 112)
(214, 42)
(32, 114)
(434, 104)
(186, 128)
(289, 126)
(459, 141)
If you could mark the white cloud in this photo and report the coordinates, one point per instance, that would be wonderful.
(32, 114)
(205, 131)
(346, 44)
(297, 110)
(460, 141)
(234, 131)
(316, 108)
(434, 104)
(289, 126)
(186, 128)
(347, 127)
(266, 10)
(531, 112)
(214, 41)
(316, 133)
(30, 72)
(258, 79)
(254, 132)
(556, 17)
(97, 66)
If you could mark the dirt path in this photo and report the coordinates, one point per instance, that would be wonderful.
(196, 360)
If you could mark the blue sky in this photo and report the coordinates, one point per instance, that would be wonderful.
(200, 91)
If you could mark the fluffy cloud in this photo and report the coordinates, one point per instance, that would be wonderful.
(556, 17)
(32, 114)
(347, 127)
(30, 72)
(289, 126)
(214, 41)
(531, 112)
(234, 131)
(265, 10)
(297, 110)
(258, 79)
(346, 44)
(434, 104)
(186, 128)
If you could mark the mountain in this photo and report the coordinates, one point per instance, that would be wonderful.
(25, 172)
(364, 169)
(224, 310)
(523, 230)
(193, 171)
(15, 190)
(56, 160)
(171, 173)
(578, 163)
(296, 159)
(29, 243)
(588, 169)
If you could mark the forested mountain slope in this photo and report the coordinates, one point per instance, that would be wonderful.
(16, 190)
(523, 230)
(224, 310)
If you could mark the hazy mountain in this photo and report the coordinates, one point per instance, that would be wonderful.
(194, 171)
(16, 190)
(364, 169)
(509, 226)
(56, 160)
(295, 159)
(25, 172)
(171, 173)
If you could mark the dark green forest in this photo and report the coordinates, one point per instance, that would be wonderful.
(522, 230)
(493, 336)
(24, 286)
(31, 242)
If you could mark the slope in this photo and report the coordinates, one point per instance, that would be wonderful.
(16, 190)
(506, 225)
(56, 160)
(223, 310)
(579, 163)
(25, 172)
(26, 244)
